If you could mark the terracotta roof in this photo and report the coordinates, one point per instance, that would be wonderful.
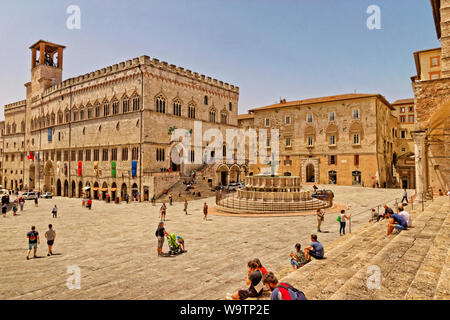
(403, 101)
(245, 116)
(341, 97)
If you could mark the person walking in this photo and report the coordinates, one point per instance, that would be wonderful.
(185, 206)
(50, 235)
(405, 196)
(36, 201)
(21, 203)
(14, 209)
(170, 198)
(55, 211)
(163, 211)
(33, 241)
(127, 198)
(320, 218)
(4, 208)
(89, 203)
(154, 200)
(343, 222)
(205, 211)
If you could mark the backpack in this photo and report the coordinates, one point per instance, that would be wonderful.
(283, 288)
(338, 219)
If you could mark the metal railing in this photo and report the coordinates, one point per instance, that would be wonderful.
(229, 199)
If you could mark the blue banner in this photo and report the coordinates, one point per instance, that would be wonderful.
(50, 134)
(133, 168)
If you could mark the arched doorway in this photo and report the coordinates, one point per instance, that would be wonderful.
(104, 190)
(310, 173)
(222, 175)
(66, 188)
(58, 188)
(176, 158)
(134, 191)
(332, 177)
(80, 189)
(73, 194)
(95, 189)
(356, 177)
(87, 190)
(123, 191)
(48, 177)
(113, 191)
(32, 175)
(234, 174)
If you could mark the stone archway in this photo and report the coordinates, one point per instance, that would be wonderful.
(223, 175)
(73, 193)
(66, 188)
(58, 188)
(310, 170)
(80, 189)
(48, 177)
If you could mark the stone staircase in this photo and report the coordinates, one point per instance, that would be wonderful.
(414, 264)
(201, 186)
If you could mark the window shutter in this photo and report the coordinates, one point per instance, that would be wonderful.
(329, 159)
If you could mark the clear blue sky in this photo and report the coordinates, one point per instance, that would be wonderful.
(292, 49)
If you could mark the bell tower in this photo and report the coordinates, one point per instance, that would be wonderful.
(46, 66)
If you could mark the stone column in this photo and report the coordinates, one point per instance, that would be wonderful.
(421, 162)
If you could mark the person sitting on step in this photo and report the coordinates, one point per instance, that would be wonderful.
(396, 222)
(281, 291)
(314, 250)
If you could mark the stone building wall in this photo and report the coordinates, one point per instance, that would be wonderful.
(52, 104)
(373, 157)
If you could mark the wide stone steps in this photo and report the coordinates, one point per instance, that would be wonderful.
(413, 264)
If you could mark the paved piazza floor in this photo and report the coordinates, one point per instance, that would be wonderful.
(115, 248)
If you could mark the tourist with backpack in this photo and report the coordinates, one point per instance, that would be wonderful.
(281, 291)
(342, 218)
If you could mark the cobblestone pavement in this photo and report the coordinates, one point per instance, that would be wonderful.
(115, 248)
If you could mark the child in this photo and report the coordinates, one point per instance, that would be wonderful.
(180, 241)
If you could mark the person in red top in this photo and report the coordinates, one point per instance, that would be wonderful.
(260, 266)
(89, 203)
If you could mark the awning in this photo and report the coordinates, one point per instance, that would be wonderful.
(95, 189)
(86, 188)
(104, 189)
(113, 189)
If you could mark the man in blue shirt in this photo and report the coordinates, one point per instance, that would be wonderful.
(315, 249)
(397, 222)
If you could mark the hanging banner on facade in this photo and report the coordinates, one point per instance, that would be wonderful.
(65, 169)
(113, 169)
(80, 164)
(133, 168)
(58, 166)
(50, 134)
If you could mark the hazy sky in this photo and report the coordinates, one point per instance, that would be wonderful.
(293, 49)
